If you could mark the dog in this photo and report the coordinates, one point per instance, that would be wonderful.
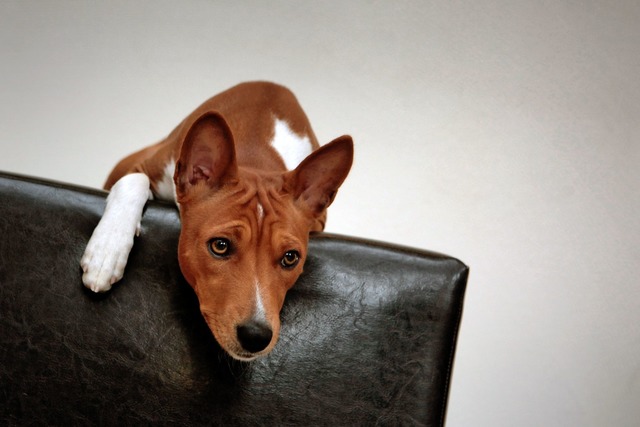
(251, 182)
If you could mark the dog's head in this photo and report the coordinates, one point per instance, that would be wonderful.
(244, 237)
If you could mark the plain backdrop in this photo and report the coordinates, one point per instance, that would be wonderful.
(504, 133)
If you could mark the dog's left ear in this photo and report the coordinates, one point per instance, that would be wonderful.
(316, 180)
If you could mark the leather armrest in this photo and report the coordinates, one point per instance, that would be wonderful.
(368, 332)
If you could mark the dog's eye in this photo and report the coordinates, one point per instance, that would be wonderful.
(219, 247)
(290, 259)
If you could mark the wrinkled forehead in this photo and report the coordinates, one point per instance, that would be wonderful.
(273, 212)
(260, 204)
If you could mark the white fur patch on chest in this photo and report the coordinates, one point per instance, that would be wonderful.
(291, 147)
(165, 189)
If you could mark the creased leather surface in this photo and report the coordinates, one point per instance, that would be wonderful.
(368, 333)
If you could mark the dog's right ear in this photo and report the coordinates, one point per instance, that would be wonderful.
(207, 156)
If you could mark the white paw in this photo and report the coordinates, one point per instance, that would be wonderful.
(105, 258)
(106, 254)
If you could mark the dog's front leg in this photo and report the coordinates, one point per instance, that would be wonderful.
(106, 254)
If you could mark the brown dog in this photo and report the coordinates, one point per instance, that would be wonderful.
(251, 182)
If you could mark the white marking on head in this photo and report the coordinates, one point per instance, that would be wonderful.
(260, 312)
(291, 147)
(260, 210)
(166, 187)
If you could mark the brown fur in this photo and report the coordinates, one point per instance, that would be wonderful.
(226, 171)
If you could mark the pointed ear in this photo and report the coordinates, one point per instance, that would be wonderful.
(207, 155)
(316, 180)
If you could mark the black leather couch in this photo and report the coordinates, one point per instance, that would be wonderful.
(368, 333)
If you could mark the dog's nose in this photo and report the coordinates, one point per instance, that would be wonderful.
(254, 336)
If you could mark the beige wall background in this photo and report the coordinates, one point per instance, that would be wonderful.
(505, 133)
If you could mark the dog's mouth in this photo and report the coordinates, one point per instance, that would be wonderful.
(234, 346)
(240, 354)
(244, 356)
(239, 351)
